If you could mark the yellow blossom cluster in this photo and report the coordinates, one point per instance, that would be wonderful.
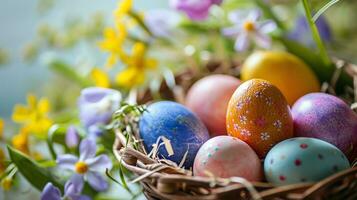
(34, 119)
(136, 63)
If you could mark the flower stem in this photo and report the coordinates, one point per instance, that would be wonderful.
(52, 150)
(138, 19)
(315, 34)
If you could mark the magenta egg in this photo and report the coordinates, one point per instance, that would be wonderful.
(328, 118)
(226, 156)
(209, 98)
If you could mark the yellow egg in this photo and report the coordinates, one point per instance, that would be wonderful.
(259, 115)
(284, 70)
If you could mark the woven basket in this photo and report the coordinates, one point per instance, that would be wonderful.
(164, 180)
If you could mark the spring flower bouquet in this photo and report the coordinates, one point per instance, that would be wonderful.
(63, 146)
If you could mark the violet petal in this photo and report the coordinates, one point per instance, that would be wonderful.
(97, 181)
(96, 105)
(242, 42)
(66, 161)
(87, 149)
(232, 31)
(72, 137)
(267, 26)
(50, 192)
(74, 186)
(99, 163)
(262, 40)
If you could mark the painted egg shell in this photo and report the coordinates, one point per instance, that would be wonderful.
(302, 159)
(225, 156)
(284, 70)
(259, 115)
(328, 118)
(179, 125)
(209, 98)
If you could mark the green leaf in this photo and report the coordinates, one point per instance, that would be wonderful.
(122, 178)
(68, 72)
(315, 34)
(59, 135)
(107, 139)
(324, 8)
(36, 175)
(196, 27)
(88, 190)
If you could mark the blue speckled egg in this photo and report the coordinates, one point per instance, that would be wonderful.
(178, 124)
(302, 159)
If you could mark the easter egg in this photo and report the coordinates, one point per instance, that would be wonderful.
(328, 118)
(209, 98)
(175, 123)
(284, 70)
(298, 160)
(259, 115)
(224, 156)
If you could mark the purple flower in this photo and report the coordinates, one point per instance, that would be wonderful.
(195, 9)
(96, 105)
(87, 166)
(161, 22)
(247, 27)
(72, 137)
(71, 191)
(302, 33)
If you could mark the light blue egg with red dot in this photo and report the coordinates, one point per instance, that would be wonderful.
(178, 124)
(301, 160)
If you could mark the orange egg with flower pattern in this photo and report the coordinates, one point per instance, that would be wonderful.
(259, 114)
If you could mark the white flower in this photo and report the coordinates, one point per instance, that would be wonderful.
(277, 124)
(245, 132)
(240, 105)
(236, 127)
(243, 119)
(264, 136)
(269, 101)
(246, 27)
(258, 94)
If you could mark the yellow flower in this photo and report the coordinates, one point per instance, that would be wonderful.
(124, 13)
(112, 43)
(2, 162)
(138, 59)
(37, 156)
(123, 8)
(2, 124)
(34, 116)
(7, 183)
(130, 77)
(20, 141)
(136, 67)
(100, 78)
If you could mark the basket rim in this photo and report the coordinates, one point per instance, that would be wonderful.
(164, 174)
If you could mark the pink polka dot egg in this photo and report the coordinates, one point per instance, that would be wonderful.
(226, 156)
(301, 159)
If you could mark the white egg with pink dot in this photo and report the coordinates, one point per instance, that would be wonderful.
(226, 156)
